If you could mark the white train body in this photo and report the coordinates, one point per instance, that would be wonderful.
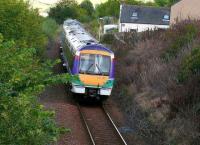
(90, 63)
(76, 35)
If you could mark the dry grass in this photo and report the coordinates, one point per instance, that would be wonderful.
(146, 72)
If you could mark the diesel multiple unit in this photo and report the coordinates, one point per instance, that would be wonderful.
(90, 63)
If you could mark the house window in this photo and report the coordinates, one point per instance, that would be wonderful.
(133, 30)
(166, 18)
(134, 15)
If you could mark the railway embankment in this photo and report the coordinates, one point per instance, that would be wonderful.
(157, 84)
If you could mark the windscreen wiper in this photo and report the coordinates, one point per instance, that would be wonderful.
(99, 69)
(89, 67)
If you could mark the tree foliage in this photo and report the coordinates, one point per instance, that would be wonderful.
(190, 65)
(70, 9)
(63, 10)
(23, 120)
(23, 76)
(21, 23)
(49, 27)
(165, 3)
(112, 7)
(88, 6)
(109, 8)
(135, 2)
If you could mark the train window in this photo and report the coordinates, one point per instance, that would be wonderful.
(103, 64)
(94, 64)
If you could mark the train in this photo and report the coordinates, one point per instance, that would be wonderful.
(90, 63)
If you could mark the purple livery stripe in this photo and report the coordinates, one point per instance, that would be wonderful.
(75, 69)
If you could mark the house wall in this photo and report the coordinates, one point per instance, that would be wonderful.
(127, 27)
(185, 9)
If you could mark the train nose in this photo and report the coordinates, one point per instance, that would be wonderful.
(93, 80)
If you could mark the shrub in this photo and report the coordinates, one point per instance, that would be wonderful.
(23, 77)
(63, 10)
(93, 28)
(190, 65)
(49, 27)
(18, 21)
(107, 38)
(152, 83)
(70, 9)
(184, 35)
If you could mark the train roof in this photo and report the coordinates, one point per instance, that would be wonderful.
(77, 35)
(80, 39)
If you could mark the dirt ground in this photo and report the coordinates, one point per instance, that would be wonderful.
(58, 99)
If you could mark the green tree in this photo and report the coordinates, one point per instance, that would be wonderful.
(165, 3)
(162, 3)
(49, 27)
(112, 7)
(63, 10)
(190, 65)
(23, 121)
(21, 23)
(109, 8)
(88, 6)
(135, 2)
(83, 15)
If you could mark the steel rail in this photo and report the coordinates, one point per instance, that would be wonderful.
(112, 122)
(86, 125)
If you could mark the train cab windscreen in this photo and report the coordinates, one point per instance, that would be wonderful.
(94, 64)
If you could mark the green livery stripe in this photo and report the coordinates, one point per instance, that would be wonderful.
(76, 80)
(108, 84)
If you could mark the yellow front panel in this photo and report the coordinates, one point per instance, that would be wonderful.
(95, 80)
(95, 52)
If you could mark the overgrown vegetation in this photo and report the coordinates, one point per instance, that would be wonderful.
(190, 65)
(165, 3)
(85, 12)
(49, 27)
(187, 34)
(90, 16)
(163, 96)
(22, 78)
(24, 75)
(22, 24)
(70, 9)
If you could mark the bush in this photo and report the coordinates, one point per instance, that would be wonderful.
(185, 34)
(166, 91)
(190, 65)
(107, 38)
(23, 77)
(93, 28)
(70, 9)
(49, 27)
(63, 10)
(18, 21)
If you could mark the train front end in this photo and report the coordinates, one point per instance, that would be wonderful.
(93, 71)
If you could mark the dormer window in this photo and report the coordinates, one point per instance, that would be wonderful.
(166, 18)
(134, 15)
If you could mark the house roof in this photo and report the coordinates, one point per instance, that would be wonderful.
(144, 15)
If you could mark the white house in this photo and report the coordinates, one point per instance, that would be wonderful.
(142, 18)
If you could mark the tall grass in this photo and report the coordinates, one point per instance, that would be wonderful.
(161, 68)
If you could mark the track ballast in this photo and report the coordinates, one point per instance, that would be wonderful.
(100, 126)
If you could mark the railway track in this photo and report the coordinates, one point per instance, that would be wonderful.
(100, 126)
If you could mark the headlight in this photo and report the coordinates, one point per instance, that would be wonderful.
(78, 89)
(105, 91)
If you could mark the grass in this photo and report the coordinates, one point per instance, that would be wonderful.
(163, 95)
